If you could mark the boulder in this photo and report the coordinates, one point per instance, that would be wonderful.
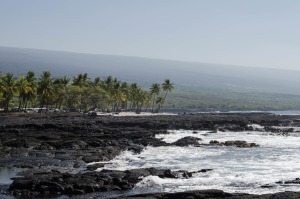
(187, 141)
(295, 181)
(236, 143)
(55, 182)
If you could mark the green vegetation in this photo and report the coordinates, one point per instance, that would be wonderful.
(213, 99)
(82, 93)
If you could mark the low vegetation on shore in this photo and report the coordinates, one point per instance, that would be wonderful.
(79, 93)
(213, 99)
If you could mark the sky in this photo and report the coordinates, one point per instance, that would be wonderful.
(262, 33)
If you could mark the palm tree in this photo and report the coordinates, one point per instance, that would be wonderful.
(132, 94)
(140, 99)
(33, 85)
(60, 88)
(167, 86)
(84, 98)
(148, 100)
(77, 80)
(113, 88)
(98, 98)
(81, 80)
(46, 89)
(83, 93)
(97, 82)
(8, 88)
(154, 91)
(117, 95)
(160, 101)
(73, 96)
(23, 88)
(125, 92)
(65, 81)
(108, 83)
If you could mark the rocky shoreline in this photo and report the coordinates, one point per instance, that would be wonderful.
(57, 148)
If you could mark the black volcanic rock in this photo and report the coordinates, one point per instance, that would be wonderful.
(295, 181)
(66, 142)
(215, 194)
(236, 143)
(187, 141)
(55, 182)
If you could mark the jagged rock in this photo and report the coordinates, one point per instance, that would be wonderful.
(187, 141)
(295, 181)
(268, 186)
(236, 143)
(55, 182)
(44, 146)
(214, 131)
(94, 167)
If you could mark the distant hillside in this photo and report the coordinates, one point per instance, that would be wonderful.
(211, 85)
(19, 61)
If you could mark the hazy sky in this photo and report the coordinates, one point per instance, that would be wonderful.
(242, 32)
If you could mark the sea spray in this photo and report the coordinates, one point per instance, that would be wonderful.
(234, 169)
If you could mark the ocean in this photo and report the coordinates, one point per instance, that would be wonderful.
(235, 170)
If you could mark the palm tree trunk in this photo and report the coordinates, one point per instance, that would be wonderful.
(153, 104)
(130, 105)
(25, 103)
(146, 108)
(6, 105)
(158, 108)
(166, 95)
(60, 103)
(20, 102)
(118, 106)
(41, 105)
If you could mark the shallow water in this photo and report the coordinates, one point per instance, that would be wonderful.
(6, 173)
(234, 169)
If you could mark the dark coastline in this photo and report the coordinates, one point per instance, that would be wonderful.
(57, 147)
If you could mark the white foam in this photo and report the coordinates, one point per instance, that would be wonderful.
(174, 135)
(234, 169)
(265, 139)
(256, 126)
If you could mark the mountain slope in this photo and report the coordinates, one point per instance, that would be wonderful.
(144, 70)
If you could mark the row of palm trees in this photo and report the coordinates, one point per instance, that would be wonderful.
(80, 93)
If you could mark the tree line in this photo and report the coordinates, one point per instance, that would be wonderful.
(80, 93)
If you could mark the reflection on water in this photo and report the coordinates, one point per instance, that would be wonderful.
(6, 173)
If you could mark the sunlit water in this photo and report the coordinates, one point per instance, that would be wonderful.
(234, 169)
